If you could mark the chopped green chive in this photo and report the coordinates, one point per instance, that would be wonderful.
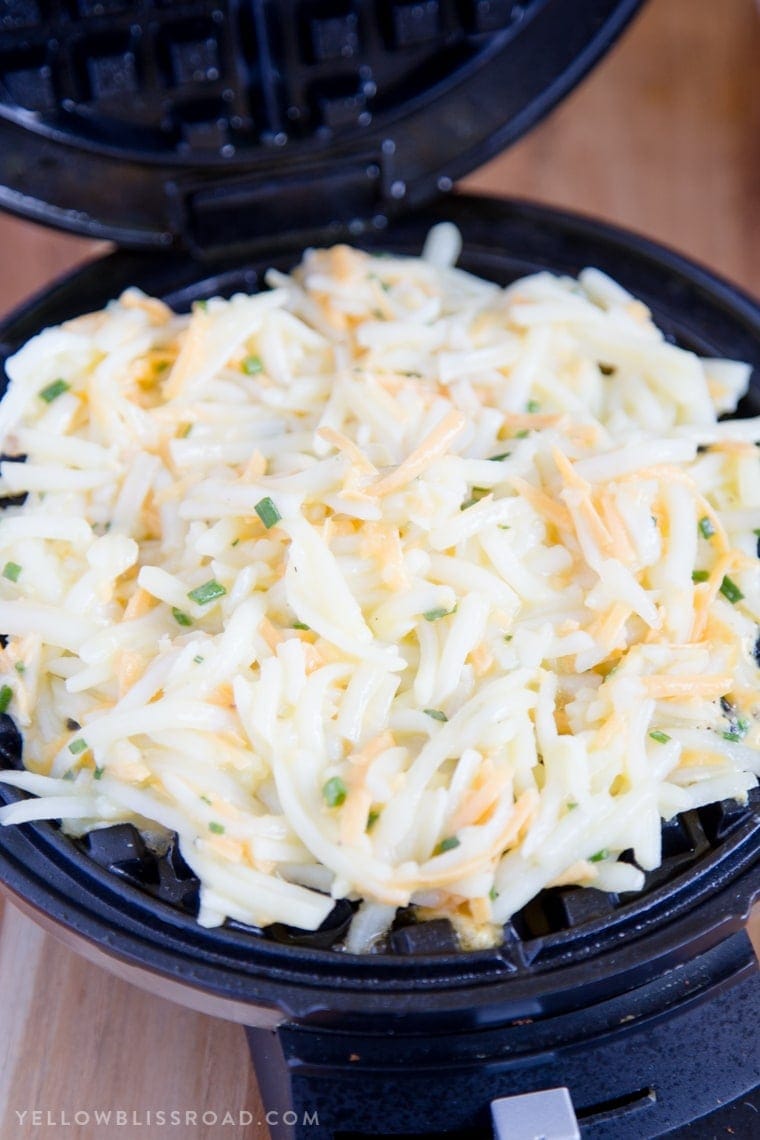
(252, 365)
(181, 617)
(659, 736)
(301, 625)
(447, 845)
(731, 591)
(706, 528)
(217, 828)
(206, 593)
(522, 434)
(700, 575)
(198, 659)
(478, 493)
(267, 512)
(598, 856)
(532, 406)
(68, 775)
(571, 805)
(372, 819)
(508, 636)
(6, 693)
(235, 541)
(98, 773)
(53, 391)
(435, 615)
(206, 800)
(334, 792)
(11, 570)
(737, 731)
(498, 458)
(20, 667)
(202, 305)
(493, 894)
(504, 526)
(77, 746)
(436, 714)
(756, 531)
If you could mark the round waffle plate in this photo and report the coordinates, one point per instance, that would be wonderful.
(569, 944)
(212, 123)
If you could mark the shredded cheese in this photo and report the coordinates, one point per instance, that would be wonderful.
(385, 583)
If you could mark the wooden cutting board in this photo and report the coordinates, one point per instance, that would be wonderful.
(664, 138)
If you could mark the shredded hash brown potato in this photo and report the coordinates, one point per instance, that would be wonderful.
(385, 583)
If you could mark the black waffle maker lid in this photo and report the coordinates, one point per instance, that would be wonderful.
(214, 124)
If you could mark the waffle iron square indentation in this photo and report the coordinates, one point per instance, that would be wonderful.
(112, 74)
(416, 23)
(28, 79)
(19, 14)
(191, 53)
(332, 37)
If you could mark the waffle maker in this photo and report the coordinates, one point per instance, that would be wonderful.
(210, 140)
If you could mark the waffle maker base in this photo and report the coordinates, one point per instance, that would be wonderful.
(644, 1006)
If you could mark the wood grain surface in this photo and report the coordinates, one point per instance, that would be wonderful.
(663, 138)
